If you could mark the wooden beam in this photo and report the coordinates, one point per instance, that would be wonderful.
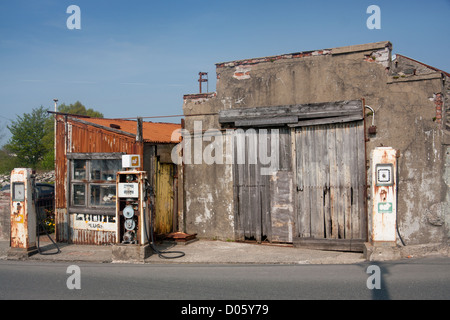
(266, 121)
(317, 110)
(353, 245)
(313, 122)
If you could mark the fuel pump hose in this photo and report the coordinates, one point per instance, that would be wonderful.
(150, 240)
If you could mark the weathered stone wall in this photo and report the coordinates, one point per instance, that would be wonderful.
(445, 209)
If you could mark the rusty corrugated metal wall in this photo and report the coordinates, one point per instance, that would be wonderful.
(74, 136)
(61, 217)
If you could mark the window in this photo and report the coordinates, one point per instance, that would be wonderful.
(93, 183)
(103, 195)
(79, 194)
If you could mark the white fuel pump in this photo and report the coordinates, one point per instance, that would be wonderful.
(384, 213)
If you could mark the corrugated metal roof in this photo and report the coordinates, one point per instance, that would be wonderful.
(156, 132)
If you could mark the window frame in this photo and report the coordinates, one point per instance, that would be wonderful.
(88, 182)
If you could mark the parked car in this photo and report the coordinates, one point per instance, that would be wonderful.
(44, 190)
(45, 196)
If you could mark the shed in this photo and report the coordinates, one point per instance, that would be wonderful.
(88, 155)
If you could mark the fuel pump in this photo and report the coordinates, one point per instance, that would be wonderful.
(134, 215)
(131, 212)
(23, 214)
(384, 212)
(130, 208)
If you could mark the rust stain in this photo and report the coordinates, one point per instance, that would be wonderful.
(18, 224)
(383, 195)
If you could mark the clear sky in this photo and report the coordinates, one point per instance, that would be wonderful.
(139, 57)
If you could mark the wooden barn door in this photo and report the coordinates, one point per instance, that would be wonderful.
(253, 179)
(331, 178)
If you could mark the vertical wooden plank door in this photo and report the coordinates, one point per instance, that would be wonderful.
(330, 178)
(252, 208)
(164, 198)
(257, 182)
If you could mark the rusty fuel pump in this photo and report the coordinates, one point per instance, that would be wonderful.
(23, 214)
(131, 242)
(134, 214)
(25, 222)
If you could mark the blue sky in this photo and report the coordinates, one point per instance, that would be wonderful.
(138, 58)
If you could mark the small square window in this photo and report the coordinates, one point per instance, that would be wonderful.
(79, 170)
(103, 195)
(104, 170)
(79, 195)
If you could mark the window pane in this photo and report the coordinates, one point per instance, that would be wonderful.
(103, 195)
(104, 170)
(79, 194)
(79, 169)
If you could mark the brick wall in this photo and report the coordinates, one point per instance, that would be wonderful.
(446, 107)
(438, 102)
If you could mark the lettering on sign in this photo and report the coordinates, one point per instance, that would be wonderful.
(97, 222)
(385, 207)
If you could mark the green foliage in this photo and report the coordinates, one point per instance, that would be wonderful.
(28, 132)
(80, 109)
(32, 141)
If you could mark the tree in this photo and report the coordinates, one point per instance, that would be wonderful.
(28, 132)
(32, 142)
(80, 109)
(48, 162)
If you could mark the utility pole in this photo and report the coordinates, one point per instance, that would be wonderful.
(54, 142)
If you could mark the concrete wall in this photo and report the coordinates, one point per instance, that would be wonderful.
(208, 189)
(405, 116)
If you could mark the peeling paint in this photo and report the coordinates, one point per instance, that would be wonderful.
(207, 213)
(227, 102)
(242, 73)
(380, 56)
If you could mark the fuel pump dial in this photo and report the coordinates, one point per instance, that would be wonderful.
(128, 212)
(129, 224)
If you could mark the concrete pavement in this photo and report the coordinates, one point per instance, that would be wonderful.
(200, 251)
(216, 252)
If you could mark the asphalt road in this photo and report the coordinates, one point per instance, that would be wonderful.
(427, 278)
